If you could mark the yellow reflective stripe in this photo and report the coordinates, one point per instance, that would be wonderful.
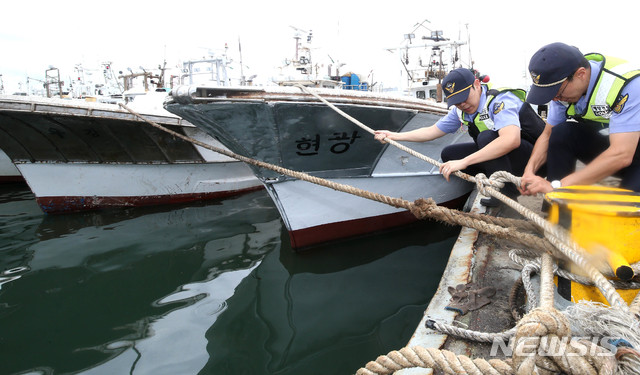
(459, 91)
(550, 84)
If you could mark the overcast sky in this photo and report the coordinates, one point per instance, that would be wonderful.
(36, 34)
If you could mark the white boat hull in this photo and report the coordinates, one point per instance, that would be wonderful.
(314, 213)
(291, 129)
(69, 187)
(80, 156)
(8, 171)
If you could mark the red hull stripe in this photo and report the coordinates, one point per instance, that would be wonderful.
(317, 235)
(75, 204)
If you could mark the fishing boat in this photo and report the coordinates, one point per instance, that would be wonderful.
(290, 128)
(83, 85)
(287, 126)
(8, 172)
(77, 155)
(302, 68)
(84, 151)
(426, 56)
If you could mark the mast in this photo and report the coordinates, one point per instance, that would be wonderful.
(469, 44)
(242, 81)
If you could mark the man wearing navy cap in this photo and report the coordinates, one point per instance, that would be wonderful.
(594, 117)
(503, 127)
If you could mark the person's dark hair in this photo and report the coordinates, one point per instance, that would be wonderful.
(584, 63)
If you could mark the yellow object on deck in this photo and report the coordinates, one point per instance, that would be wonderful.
(604, 221)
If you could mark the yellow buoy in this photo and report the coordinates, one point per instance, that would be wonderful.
(604, 221)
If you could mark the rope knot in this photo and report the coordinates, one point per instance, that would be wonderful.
(538, 335)
(496, 181)
(423, 208)
(504, 176)
(543, 322)
(482, 183)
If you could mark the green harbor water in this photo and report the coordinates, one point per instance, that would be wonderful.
(209, 288)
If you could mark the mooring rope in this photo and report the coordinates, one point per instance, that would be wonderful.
(518, 257)
(556, 242)
(530, 265)
(470, 334)
(593, 319)
(540, 331)
(404, 148)
(531, 362)
(422, 208)
(558, 237)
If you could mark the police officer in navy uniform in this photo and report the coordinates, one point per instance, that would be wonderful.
(503, 127)
(594, 117)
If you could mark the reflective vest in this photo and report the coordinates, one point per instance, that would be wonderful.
(605, 98)
(531, 125)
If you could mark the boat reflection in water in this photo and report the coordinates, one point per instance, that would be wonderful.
(204, 289)
(332, 310)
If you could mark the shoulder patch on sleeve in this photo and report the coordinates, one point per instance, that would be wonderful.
(498, 107)
(618, 108)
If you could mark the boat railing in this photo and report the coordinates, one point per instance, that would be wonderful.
(213, 70)
(360, 87)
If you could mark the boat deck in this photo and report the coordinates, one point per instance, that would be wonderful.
(492, 267)
(481, 259)
(484, 260)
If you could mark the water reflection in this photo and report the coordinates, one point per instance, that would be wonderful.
(11, 275)
(204, 289)
(96, 286)
(333, 310)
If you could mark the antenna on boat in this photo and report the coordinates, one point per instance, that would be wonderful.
(298, 36)
(242, 81)
(469, 45)
(419, 25)
(52, 79)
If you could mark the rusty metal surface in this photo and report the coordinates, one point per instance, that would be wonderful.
(198, 94)
(477, 258)
(78, 108)
(458, 271)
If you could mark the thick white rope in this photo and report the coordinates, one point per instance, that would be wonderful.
(556, 235)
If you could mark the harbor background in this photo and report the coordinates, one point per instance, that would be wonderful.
(208, 288)
(35, 34)
(214, 288)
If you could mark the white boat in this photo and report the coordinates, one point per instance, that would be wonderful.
(427, 56)
(81, 86)
(302, 69)
(288, 127)
(8, 172)
(77, 155)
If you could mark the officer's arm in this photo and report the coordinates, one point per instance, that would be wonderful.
(418, 135)
(508, 140)
(619, 155)
(428, 133)
(539, 154)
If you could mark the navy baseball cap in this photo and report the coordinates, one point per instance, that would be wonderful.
(456, 85)
(549, 67)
